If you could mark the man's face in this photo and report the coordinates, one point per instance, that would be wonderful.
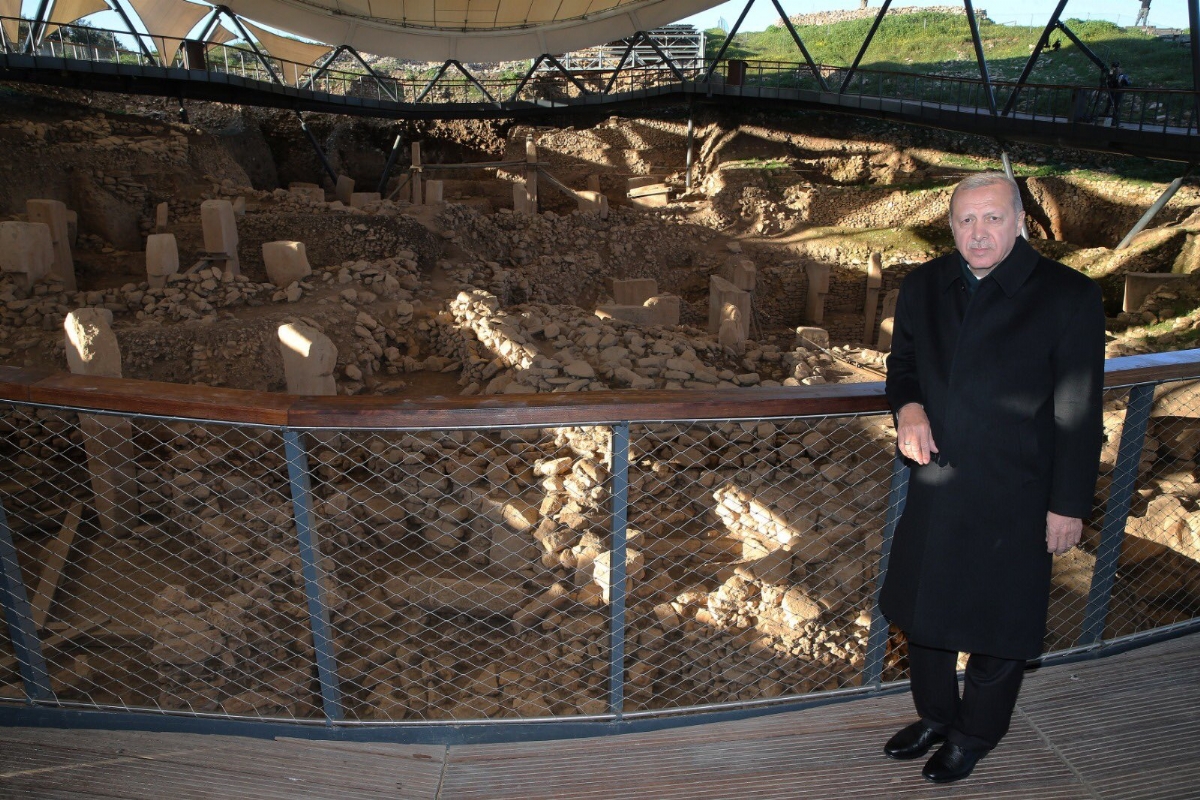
(984, 224)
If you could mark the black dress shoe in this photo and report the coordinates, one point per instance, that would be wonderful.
(911, 742)
(950, 763)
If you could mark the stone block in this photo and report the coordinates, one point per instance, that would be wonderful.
(592, 202)
(162, 258)
(741, 272)
(655, 196)
(220, 232)
(638, 315)
(593, 183)
(721, 293)
(239, 206)
(1139, 286)
(665, 309)
(435, 193)
(286, 262)
(91, 346)
(72, 226)
(53, 213)
(161, 216)
(309, 358)
(344, 188)
(633, 291)
(309, 192)
(26, 251)
(809, 336)
(363, 199)
(640, 182)
(106, 215)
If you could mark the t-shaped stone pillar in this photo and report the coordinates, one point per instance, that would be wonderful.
(731, 334)
(818, 287)
(889, 316)
(92, 349)
(721, 293)
(220, 232)
(871, 303)
(26, 251)
(162, 259)
(309, 359)
(54, 214)
(286, 262)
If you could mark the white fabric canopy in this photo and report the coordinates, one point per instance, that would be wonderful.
(467, 30)
(64, 12)
(11, 8)
(288, 50)
(170, 21)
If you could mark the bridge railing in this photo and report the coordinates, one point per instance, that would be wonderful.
(230, 556)
(1144, 109)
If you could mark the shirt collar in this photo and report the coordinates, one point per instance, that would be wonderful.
(1010, 273)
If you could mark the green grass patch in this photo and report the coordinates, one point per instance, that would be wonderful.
(940, 43)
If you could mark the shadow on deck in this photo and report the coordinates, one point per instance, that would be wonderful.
(1125, 726)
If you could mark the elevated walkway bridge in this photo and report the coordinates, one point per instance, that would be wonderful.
(1154, 123)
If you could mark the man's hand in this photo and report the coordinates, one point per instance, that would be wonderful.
(913, 433)
(1062, 533)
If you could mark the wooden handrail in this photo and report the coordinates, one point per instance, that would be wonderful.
(535, 410)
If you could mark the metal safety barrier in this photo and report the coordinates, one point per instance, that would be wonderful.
(221, 556)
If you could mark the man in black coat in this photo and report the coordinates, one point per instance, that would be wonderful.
(995, 377)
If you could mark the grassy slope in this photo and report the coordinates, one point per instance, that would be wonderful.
(939, 43)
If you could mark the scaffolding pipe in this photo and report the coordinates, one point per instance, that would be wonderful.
(391, 160)
(804, 50)
(1008, 170)
(1152, 212)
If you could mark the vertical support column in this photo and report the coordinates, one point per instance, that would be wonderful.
(1116, 512)
(878, 634)
(416, 173)
(616, 567)
(531, 173)
(19, 617)
(1194, 42)
(691, 139)
(314, 576)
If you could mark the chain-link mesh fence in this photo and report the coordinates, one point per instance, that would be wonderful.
(436, 576)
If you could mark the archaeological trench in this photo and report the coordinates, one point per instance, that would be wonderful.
(467, 570)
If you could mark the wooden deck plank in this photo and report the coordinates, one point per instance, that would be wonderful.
(1123, 727)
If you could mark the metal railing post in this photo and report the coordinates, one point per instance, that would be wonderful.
(314, 575)
(1116, 512)
(17, 613)
(616, 566)
(877, 637)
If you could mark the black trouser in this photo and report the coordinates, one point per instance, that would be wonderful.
(977, 720)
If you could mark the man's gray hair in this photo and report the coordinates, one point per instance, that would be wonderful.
(990, 179)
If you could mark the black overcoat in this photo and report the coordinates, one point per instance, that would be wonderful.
(1011, 380)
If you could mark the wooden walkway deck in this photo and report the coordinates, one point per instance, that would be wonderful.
(1127, 726)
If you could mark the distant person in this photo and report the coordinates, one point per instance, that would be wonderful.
(995, 379)
(1116, 81)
